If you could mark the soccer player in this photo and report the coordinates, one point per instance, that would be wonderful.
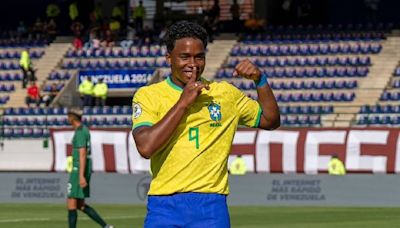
(185, 125)
(78, 185)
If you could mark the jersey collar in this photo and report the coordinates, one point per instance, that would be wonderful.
(173, 85)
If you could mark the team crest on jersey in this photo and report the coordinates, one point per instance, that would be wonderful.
(136, 110)
(215, 114)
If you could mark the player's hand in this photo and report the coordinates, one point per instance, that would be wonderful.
(192, 89)
(82, 182)
(247, 69)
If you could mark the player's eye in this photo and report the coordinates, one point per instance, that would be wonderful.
(184, 57)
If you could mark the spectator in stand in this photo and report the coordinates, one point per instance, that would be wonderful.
(48, 98)
(21, 30)
(26, 66)
(139, 14)
(77, 28)
(94, 41)
(235, 12)
(147, 35)
(86, 91)
(208, 25)
(51, 29)
(253, 25)
(100, 93)
(73, 11)
(214, 15)
(77, 43)
(118, 12)
(52, 11)
(108, 39)
(37, 28)
(215, 11)
(33, 95)
(98, 12)
(115, 27)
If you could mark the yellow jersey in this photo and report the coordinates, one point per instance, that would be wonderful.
(195, 159)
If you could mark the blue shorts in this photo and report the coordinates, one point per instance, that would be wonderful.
(189, 210)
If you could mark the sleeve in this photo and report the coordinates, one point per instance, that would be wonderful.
(249, 110)
(81, 139)
(81, 87)
(144, 112)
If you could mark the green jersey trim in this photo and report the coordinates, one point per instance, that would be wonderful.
(141, 124)
(173, 85)
(257, 123)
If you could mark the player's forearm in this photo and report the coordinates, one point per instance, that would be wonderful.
(149, 140)
(82, 162)
(271, 117)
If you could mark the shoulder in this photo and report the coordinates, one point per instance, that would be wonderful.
(220, 85)
(150, 89)
(83, 130)
(227, 88)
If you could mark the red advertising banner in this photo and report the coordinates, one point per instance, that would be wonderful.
(297, 150)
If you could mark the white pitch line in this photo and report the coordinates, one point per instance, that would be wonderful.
(122, 217)
(24, 220)
(79, 218)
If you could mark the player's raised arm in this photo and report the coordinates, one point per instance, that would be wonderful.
(270, 118)
(150, 139)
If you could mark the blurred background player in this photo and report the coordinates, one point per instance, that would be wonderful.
(238, 166)
(186, 124)
(86, 91)
(79, 179)
(336, 166)
(28, 73)
(100, 93)
(139, 14)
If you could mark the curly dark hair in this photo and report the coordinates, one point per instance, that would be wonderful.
(184, 29)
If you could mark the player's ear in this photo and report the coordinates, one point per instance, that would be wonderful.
(168, 58)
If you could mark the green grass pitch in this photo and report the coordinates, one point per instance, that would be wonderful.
(55, 215)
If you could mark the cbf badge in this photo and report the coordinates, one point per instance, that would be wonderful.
(136, 110)
(215, 114)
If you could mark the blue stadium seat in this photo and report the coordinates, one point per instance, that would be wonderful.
(8, 133)
(41, 122)
(17, 132)
(363, 120)
(385, 96)
(37, 133)
(395, 120)
(303, 120)
(386, 120)
(27, 133)
(365, 109)
(374, 120)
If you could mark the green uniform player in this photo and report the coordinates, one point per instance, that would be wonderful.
(78, 185)
(81, 139)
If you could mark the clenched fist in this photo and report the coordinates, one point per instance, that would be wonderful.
(247, 69)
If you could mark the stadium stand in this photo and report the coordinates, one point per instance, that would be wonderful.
(10, 73)
(318, 77)
(35, 122)
(385, 111)
(317, 67)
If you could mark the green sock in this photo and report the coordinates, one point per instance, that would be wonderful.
(93, 215)
(72, 218)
